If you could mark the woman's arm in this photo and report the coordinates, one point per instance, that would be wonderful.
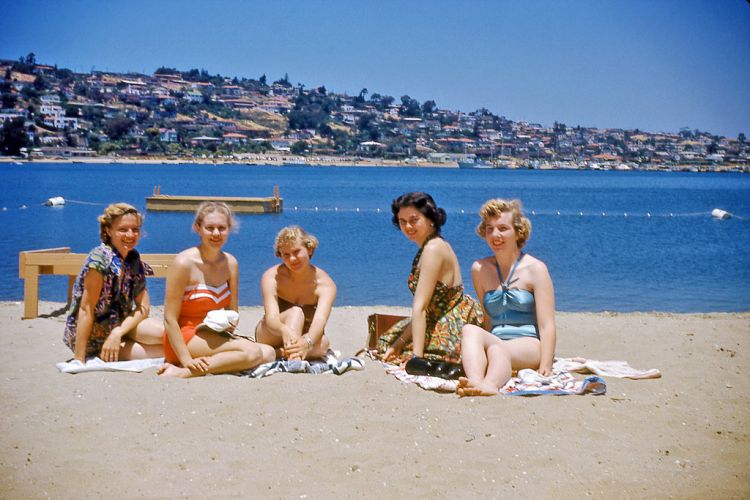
(432, 262)
(271, 313)
(326, 293)
(111, 347)
(480, 289)
(544, 296)
(178, 278)
(92, 288)
(141, 312)
(234, 280)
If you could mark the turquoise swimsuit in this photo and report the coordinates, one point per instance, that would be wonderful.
(512, 311)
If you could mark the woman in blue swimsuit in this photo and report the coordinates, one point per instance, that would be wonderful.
(518, 300)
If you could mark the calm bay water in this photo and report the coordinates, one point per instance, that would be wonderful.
(677, 259)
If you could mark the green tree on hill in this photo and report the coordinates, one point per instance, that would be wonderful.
(429, 107)
(410, 107)
(13, 137)
(298, 148)
(284, 82)
(118, 127)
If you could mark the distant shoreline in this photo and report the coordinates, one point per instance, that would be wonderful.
(260, 161)
(269, 160)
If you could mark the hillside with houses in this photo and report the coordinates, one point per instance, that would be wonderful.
(51, 113)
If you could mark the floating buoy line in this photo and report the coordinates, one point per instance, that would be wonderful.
(716, 213)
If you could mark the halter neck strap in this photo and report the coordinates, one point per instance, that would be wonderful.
(506, 283)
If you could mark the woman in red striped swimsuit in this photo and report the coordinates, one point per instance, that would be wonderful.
(202, 279)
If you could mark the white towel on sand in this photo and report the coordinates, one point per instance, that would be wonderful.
(97, 365)
(619, 369)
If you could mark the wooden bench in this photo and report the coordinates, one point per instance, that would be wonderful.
(60, 261)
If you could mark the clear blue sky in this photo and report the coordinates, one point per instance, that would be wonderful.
(657, 65)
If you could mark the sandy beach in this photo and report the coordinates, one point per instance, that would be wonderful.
(365, 434)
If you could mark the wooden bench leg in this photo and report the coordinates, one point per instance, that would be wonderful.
(31, 292)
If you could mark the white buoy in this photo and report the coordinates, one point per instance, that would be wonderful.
(56, 201)
(718, 213)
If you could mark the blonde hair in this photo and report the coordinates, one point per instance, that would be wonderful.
(112, 213)
(290, 234)
(209, 207)
(495, 207)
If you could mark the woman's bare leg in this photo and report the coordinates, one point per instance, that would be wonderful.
(150, 331)
(478, 347)
(224, 355)
(133, 350)
(293, 318)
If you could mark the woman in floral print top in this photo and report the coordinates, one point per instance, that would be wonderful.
(440, 307)
(108, 315)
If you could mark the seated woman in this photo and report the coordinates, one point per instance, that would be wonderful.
(440, 307)
(108, 315)
(297, 299)
(202, 279)
(518, 301)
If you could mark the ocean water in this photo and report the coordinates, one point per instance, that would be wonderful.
(615, 241)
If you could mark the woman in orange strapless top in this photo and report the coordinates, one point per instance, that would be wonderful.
(202, 279)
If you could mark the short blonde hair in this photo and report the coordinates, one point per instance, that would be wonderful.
(495, 207)
(291, 234)
(209, 207)
(112, 213)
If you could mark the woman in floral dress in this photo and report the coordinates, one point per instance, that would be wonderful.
(108, 315)
(440, 307)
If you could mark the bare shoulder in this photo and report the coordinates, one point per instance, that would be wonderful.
(271, 272)
(187, 258)
(438, 248)
(231, 260)
(536, 266)
(483, 264)
(323, 278)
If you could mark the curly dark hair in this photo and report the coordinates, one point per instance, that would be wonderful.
(422, 202)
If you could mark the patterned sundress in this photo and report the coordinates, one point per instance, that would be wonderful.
(449, 310)
(124, 280)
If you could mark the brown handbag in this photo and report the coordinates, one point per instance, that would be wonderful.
(377, 325)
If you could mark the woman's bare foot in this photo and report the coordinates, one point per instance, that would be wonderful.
(467, 388)
(170, 370)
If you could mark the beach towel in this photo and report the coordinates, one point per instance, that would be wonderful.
(97, 365)
(526, 383)
(619, 369)
(331, 364)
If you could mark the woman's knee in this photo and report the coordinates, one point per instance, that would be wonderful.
(257, 353)
(471, 334)
(294, 315)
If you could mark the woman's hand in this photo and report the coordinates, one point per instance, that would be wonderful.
(111, 348)
(545, 371)
(394, 351)
(298, 349)
(197, 365)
